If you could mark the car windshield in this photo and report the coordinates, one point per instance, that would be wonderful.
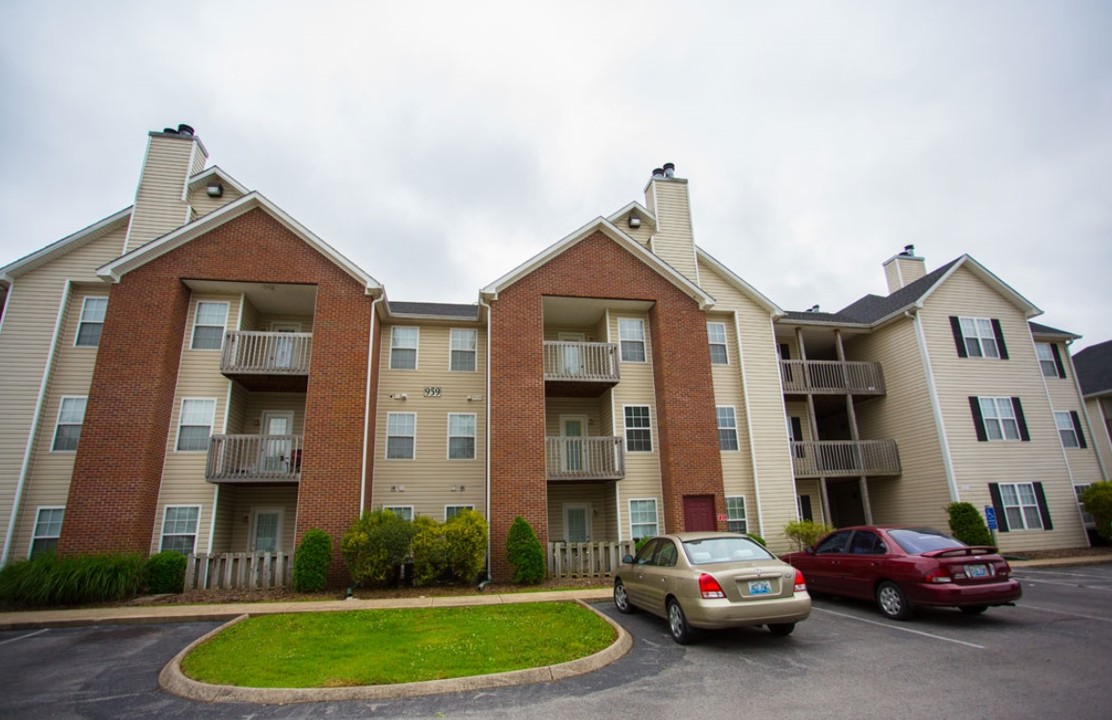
(724, 549)
(922, 540)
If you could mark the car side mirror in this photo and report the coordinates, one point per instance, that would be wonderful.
(627, 560)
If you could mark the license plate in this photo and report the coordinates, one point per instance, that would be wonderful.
(760, 587)
(976, 571)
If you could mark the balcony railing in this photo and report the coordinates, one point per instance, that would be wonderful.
(845, 458)
(266, 353)
(585, 458)
(583, 361)
(254, 458)
(832, 377)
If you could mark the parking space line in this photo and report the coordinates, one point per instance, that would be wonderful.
(903, 629)
(23, 637)
(1025, 572)
(1074, 584)
(1063, 612)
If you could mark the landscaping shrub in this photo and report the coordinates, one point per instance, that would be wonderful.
(1097, 499)
(376, 546)
(757, 539)
(72, 580)
(967, 525)
(311, 561)
(805, 533)
(430, 552)
(165, 572)
(454, 551)
(524, 553)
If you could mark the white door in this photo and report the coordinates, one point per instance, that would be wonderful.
(283, 347)
(572, 429)
(572, 360)
(266, 535)
(577, 523)
(277, 426)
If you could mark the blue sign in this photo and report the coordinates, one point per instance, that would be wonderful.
(990, 516)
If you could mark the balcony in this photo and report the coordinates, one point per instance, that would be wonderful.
(273, 361)
(580, 369)
(831, 377)
(845, 458)
(254, 459)
(585, 458)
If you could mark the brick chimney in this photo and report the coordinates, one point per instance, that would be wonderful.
(903, 269)
(173, 156)
(674, 242)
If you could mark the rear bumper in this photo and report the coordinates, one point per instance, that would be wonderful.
(950, 594)
(722, 613)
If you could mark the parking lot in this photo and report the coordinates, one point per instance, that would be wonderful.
(1046, 657)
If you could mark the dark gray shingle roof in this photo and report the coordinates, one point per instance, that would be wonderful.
(1094, 368)
(871, 308)
(449, 310)
(1040, 329)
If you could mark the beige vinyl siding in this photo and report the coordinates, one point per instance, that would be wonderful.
(810, 487)
(241, 504)
(265, 323)
(557, 407)
(674, 242)
(431, 480)
(259, 403)
(159, 203)
(183, 473)
(249, 316)
(1102, 428)
(737, 465)
(202, 204)
(26, 335)
(1084, 466)
(600, 498)
(976, 464)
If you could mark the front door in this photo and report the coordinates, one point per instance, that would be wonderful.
(277, 426)
(266, 535)
(698, 513)
(577, 523)
(572, 428)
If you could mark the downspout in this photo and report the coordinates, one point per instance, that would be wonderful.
(367, 406)
(936, 406)
(487, 443)
(32, 434)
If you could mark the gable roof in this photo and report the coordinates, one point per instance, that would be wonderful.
(57, 249)
(1094, 369)
(1046, 330)
(607, 228)
(733, 279)
(113, 271)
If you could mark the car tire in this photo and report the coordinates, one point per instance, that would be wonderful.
(892, 601)
(973, 609)
(677, 623)
(621, 598)
(781, 629)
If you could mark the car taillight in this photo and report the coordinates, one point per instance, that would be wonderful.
(800, 583)
(709, 587)
(938, 575)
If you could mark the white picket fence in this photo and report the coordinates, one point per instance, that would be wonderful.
(263, 570)
(586, 559)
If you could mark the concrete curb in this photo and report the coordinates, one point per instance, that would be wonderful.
(172, 680)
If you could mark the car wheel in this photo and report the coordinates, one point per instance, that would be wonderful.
(621, 598)
(892, 601)
(677, 623)
(973, 609)
(781, 629)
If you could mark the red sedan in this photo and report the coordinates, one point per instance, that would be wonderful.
(902, 567)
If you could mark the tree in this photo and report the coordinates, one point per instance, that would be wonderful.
(524, 553)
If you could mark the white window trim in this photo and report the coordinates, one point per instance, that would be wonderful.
(394, 508)
(626, 429)
(474, 437)
(656, 512)
(1022, 507)
(196, 531)
(643, 340)
(745, 509)
(81, 320)
(196, 324)
(999, 419)
(725, 342)
(35, 528)
(1070, 428)
(459, 506)
(1039, 346)
(58, 420)
(979, 337)
(181, 417)
(386, 450)
(452, 350)
(737, 437)
(416, 348)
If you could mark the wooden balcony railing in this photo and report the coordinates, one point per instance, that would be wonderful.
(582, 361)
(585, 458)
(845, 458)
(254, 458)
(832, 377)
(266, 353)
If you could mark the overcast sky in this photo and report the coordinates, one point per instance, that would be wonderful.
(439, 145)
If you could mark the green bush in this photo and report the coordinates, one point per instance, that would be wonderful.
(467, 535)
(165, 572)
(1097, 499)
(311, 561)
(757, 539)
(376, 546)
(524, 553)
(967, 525)
(805, 533)
(431, 561)
(72, 579)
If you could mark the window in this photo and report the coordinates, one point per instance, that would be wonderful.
(716, 335)
(998, 418)
(461, 436)
(735, 514)
(1050, 360)
(463, 343)
(638, 429)
(71, 414)
(631, 335)
(450, 511)
(1020, 506)
(727, 427)
(401, 435)
(92, 321)
(405, 512)
(978, 337)
(1069, 429)
(403, 348)
(195, 424)
(179, 528)
(48, 528)
(208, 325)
(642, 518)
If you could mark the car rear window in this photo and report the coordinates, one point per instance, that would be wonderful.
(923, 540)
(724, 549)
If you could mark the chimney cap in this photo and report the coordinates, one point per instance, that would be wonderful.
(669, 169)
(185, 129)
(658, 172)
(908, 250)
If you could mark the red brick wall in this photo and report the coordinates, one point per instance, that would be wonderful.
(596, 267)
(118, 467)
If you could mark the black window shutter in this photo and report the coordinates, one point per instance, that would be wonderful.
(1044, 511)
(978, 418)
(998, 505)
(1077, 428)
(1020, 420)
(1058, 360)
(959, 340)
(999, 339)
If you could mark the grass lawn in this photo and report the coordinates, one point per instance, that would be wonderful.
(378, 647)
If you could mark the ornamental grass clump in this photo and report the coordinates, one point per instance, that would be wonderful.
(72, 579)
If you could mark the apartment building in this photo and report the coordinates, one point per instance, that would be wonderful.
(1094, 375)
(200, 372)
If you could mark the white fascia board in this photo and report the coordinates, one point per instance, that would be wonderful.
(56, 249)
(745, 288)
(217, 172)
